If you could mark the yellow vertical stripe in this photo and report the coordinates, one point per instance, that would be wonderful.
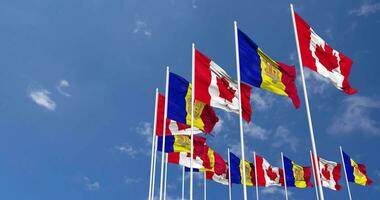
(360, 178)
(198, 109)
(299, 176)
(182, 143)
(271, 75)
(248, 169)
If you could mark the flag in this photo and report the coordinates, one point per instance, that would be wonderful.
(236, 167)
(330, 173)
(179, 105)
(296, 175)
(210, 175)
(184, 159)
(217, 89)
(356, 173)
(172, 127)
(181, 143)
(267, 175)
(259, 70)
(318, 56)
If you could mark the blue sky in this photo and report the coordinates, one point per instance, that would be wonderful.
(78, 78)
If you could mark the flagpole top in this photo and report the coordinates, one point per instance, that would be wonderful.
(156, 90)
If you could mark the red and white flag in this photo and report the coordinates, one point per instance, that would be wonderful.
(172, 127)
(320, 57)
(217, 89)
(330, 173)
(267, 175)
(183, 158)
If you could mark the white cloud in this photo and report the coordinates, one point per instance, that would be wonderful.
(315, 83)
(366, 8)
(218, 127)
(127, 149)
(142, 27)
(275, 190)
(262, 100)
(194, 4)
(41, 97)
(356, 115)
(129, 180)
(283, 137)
(62, 84)
(256, 131)
(91, 185)
(145, 129)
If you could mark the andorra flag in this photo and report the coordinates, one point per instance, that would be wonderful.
(356, 173)
(259, 70)
(318, 56)
(179, 105)
(296, 175)
(236, 167)
(216, 88)
(172, 127)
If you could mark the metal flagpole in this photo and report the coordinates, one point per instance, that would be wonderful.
(315, 180)
(153, 140)
(154, 166)
(256, 182)
(314, 148)
(283, 167)
(166, 174)
(229, 175)
(183, 182)
(163, 135)
(204, 186)
(240, 109)
(345, 173)
(192, 118)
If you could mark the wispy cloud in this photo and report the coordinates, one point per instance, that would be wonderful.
(275, 191)
(262, 100)
(142, 27)
(218, 127)
(130, 180)
(42, 98)
(256, 131)
(355, 114)
(145, 129)
(62, 85)
(194, 4)
(283, 137)
(316, 84)
(366, 8)
(127, 149)
(91, 185)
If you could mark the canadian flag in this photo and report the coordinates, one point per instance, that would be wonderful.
(267, 175)
(320, 57)
(330, 173)
(172, 127)
(183, 158)
(216, 88)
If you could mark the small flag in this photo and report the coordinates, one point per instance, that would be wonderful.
(236, 167)
(172, 127)
(217, 89)
(267, 175)
(330, 173)
(181, 143)
(259, 70)
(318, 56)
(356, 173)
(184, 159)
(296, 175)
(179, 105)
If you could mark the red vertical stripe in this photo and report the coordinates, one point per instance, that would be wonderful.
(173, 157)
(288, 79)
(260, 171)
(202, 77)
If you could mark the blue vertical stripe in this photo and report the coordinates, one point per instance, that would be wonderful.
(235, 169)
(288, 165)
(349, 168)
(169, 143)
(178, 88)
(250, 62)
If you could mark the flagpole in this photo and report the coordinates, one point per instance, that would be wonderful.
(240, 109)
(204, 186)
(183, 182)
(229, 175)
(314, 148)
(192, 118)
(256, 182)
(154, 166)
(345, 172)
(153, 140)
(315, 181)
(166, 174)
(164, 132)
(283, 167)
